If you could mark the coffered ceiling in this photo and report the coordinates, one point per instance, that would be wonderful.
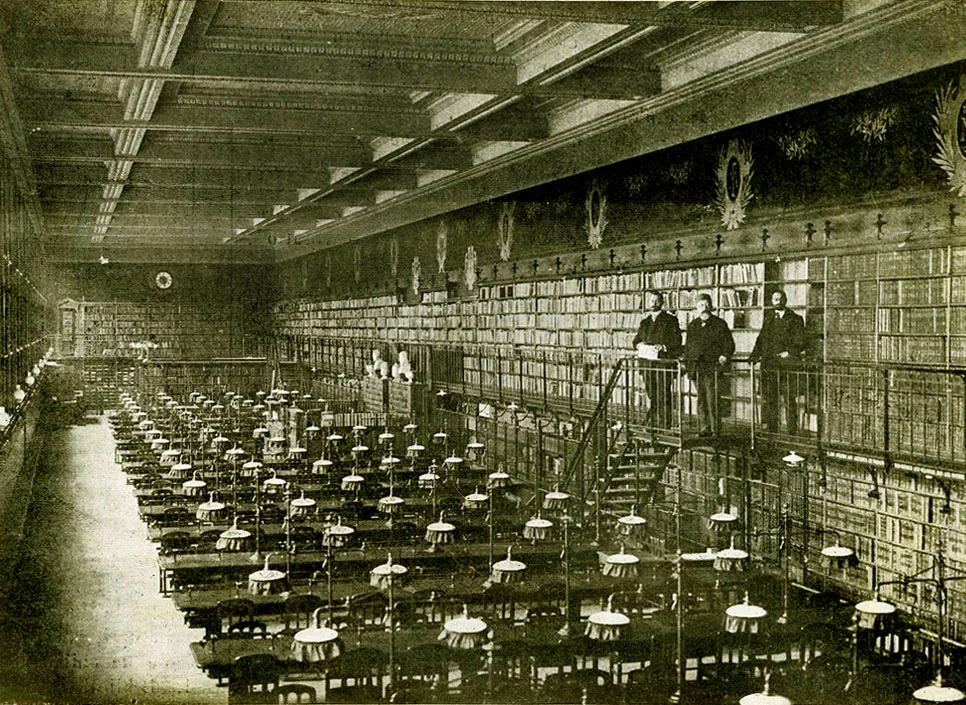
(271, 128)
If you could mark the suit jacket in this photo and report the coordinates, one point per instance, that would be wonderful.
(707, 341)
(778, 335)
(662, 330)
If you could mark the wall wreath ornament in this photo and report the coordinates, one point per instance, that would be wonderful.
(504, 230)
(734, 172)
(596, 206)
(950, 133)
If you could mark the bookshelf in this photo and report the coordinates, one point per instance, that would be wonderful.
(107, 329)
(901, 306)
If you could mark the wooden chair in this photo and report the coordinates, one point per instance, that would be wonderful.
(253, 678)
(295, 693)
(175, 543)
(236, 619)
(297, 612)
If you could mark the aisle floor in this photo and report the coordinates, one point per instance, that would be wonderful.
(94, 627)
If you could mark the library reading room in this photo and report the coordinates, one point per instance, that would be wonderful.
(466, 351)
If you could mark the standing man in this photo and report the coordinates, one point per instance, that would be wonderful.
(658, 342)
(707, 351)
(779, 349)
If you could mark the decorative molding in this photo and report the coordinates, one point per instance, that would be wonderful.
(733, 173)
(442, 242)
(380, 48)
(469, 267)
(596, 208)
(950, 133)
(416, 274)
(394, 256)
(504, 230)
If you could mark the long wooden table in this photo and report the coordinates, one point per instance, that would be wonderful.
(195, 569)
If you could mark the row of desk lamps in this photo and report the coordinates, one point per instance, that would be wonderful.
(320, 643)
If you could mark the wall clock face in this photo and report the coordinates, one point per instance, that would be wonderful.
(163, 280)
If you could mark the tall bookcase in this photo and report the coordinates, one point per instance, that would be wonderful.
(901, 306)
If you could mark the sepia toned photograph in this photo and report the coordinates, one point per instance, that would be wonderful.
(590, 352)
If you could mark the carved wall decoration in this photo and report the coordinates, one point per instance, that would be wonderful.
(797, 145)
(394, 257)
(596, 206)
(950, 133)
(504, 230)
(734, 172)
(873, 125)
(328, 271)
(442, 239)
(680, 172)
(469, 267)
(417, 273)
(357, 262)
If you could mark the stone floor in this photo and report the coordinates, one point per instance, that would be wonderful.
(88, 624)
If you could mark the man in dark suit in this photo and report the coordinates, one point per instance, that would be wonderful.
(707, 352)
(779, 349)
(658, 342)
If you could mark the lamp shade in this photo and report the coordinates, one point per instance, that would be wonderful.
(337, 535)
(179, 471)
(428, 480)
(234, 539)
(621, 565)
(440, 532)
(390, 504)
(606, 625)
(555, 501)
(322, 466)
(631, 524)
(838, 557)
(537, 529)
(475, 500)
(744, 618)
(731, 559)
(248, 469)
(936, 692)
(302, 505)
(317, 643)
(351, 483)
(414, 450)
(267, 581)
(508, 570)
(274, 484)
(722, 521)
(874, 614)
(497, 480)
(464, 632)
(764, 699)
(386, 574)
(211, 510)
(194, 487)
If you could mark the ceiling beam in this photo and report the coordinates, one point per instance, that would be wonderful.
(49, 111)
(43, 55)
(58, 173)
(283, 72)
(774, 15)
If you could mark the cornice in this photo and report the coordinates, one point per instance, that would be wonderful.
(797, 51)
(381, 48)
(339, 106)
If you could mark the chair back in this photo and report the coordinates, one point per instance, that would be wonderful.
(253, 673)
(295, 693)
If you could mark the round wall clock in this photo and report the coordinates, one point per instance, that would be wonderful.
(163, 280)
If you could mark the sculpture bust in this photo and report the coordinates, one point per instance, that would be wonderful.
(375, 369)
(402, 371)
